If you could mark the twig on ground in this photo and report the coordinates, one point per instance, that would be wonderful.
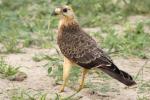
(141, 70)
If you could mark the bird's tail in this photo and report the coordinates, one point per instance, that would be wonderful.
(119, 75)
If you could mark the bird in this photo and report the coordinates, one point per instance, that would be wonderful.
(79, 48)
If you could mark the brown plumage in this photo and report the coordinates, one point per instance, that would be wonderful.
(80, 48)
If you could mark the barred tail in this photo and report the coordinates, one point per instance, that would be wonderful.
(119, 75)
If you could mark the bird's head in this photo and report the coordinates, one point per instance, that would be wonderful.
(64, 12)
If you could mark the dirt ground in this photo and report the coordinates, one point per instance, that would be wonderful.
(38, 79)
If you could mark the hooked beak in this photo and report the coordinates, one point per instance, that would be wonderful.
(57, 11)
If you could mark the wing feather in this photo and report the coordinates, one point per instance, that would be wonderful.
(83, 50)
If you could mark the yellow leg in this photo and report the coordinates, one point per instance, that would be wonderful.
(82, 79)
(66, 70)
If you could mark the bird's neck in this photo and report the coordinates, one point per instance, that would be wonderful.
(65, 22)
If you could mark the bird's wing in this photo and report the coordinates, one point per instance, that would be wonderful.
(83, 50)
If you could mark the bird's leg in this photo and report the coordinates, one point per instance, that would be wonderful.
(66, 70)
(84, 72)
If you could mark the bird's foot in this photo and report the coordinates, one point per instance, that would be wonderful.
(80, 88)
(61, 89)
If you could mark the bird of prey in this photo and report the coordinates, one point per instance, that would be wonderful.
(81, 49)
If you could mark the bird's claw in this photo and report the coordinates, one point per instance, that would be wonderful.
(80, 88)
(61, 89)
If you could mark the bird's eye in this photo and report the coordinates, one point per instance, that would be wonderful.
(65, 10)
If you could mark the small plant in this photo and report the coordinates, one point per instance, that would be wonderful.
(144, 87)
(7, 70)
(55, 68)
(134, 42)
(55, 65)
(19, 94)
(41, 57)
(10, 42)
(143, 98)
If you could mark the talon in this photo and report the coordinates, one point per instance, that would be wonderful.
(80, 88)
(61, 90)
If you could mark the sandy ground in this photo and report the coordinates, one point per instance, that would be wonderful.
(38, 79)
